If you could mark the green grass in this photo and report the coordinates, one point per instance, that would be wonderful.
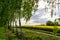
(3, 36)
(35, 35)
(29, 34)
(41, 28)
(39, 35)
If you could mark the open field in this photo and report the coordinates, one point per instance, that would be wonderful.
(46, 28)
(34, 33)
(43, 26)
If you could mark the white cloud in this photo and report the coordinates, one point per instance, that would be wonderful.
(31, 21)
(53, 18)
(40, 16)
(45, 16)
(41, 4)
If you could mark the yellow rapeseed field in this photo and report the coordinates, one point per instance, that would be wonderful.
(49, 27)
(44, 27)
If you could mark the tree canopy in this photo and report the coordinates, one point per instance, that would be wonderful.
(23, 8)
(50, 23)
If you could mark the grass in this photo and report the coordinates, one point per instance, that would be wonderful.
(35, 35)
(3, 35)
(45, 28)
(30, 34)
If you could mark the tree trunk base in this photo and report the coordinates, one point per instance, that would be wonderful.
(21, 36)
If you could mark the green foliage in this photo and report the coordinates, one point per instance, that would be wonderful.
(50, 23)
(56, 23)
(27, 9)
(59, 19)
(7, 7)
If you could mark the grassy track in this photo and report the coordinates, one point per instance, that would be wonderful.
(35, 35)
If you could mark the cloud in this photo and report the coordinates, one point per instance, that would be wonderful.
(37, 14)
(40, 21)
(37, 17)
(40, 16)
(58, 12)
(41, 4)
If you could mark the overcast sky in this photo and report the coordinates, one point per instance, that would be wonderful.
(40, 17)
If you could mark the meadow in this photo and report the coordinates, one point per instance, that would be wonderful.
(35, 33)
(4, 35)
(45, 28)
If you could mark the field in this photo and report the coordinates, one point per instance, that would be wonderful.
(4, 35)
(45, 28)
(35, 33)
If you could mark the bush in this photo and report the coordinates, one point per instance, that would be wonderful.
(50, 23)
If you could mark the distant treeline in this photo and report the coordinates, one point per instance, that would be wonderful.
(50, 23)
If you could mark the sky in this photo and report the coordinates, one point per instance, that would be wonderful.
(40, 16)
